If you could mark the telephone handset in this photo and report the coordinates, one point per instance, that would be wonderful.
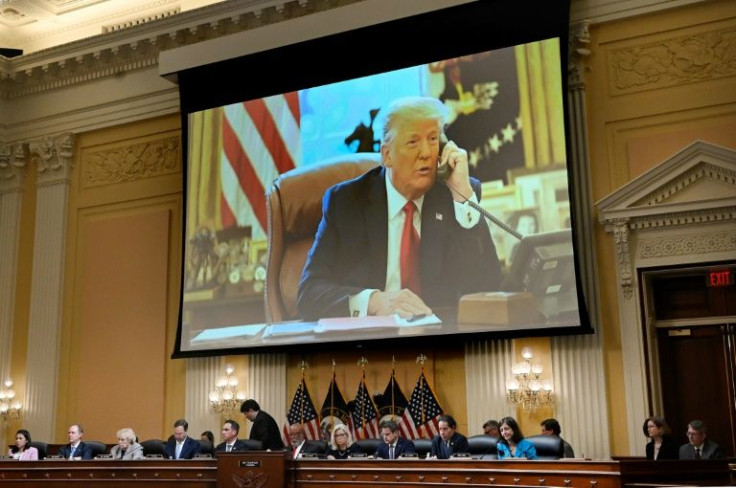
(443, 170)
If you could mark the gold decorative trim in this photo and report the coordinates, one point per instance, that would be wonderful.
(675, 61)
(133, 162)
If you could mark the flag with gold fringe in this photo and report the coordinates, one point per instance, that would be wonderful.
(421, 416)
(302, 411)
(364, 414)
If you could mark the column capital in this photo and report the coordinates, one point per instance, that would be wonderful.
(12, 167)
(578, 51)
(53, 157)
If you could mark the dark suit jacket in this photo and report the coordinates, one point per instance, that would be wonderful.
(239, 446)
(264, 429)
(668, 450)
(188, 450)
(350, 249)
(710, 450)
(458, 443)
(403, 446)
(82, 451)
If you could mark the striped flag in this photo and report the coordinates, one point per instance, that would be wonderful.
(260, 140)
(364, 414)
(393, 403)
(421, 416)
(302, 411)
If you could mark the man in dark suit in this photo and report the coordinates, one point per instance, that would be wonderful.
(699, 447)
(393, 445)
(76, 449)
(182, 446)
(397, 239)
(300, 445)
(230, 441)
(448, 442)
(264, 427)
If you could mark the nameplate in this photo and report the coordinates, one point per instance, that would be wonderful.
(250, 464)
(461, 455)
(308, 455)
(358, 455)
(409, 455)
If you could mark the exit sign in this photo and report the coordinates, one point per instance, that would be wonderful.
(720, 277)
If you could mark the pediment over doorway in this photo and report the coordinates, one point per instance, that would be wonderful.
(695, 185)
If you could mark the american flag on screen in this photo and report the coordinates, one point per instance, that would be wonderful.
(421, 416)
(260, 140)
(364, 415)
(302, 411)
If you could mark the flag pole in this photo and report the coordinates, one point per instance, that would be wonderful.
(421, 360)
(393, 387)
(332, 397)
(303, 365)
(362, 362)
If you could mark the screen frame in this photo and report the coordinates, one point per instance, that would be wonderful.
(277, 66)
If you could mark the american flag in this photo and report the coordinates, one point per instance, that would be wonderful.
(260, 140)
(364, 415)
(393, 402)
(421, 416)
(335, 405)
(302, 411)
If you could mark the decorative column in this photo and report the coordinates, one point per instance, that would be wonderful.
(201, 376)
(12, 175)
(266, 384)
(53, 158)
(487, 365)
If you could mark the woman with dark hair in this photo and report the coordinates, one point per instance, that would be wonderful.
(23, 450)
(662, 445)
(512, 443)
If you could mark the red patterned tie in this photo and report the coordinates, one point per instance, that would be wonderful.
(410, 251)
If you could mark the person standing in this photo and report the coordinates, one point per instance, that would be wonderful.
(264, 427)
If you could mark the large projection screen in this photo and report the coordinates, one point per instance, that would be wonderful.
(504, 96)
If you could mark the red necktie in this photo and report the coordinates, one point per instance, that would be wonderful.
(410, 251)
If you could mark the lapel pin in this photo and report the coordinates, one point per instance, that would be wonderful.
(438, 216)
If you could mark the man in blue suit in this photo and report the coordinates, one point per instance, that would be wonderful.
(398, 239)
(182, 446)
(448, 442)
(393, 445)
(76, 449)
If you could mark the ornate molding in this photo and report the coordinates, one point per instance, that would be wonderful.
(682, 245)
(621, 240)
(703, 170)
(53, 157)
(578, 52)
(675, 61)
(138, 47)
(684, 218)
(133, 162)
(12, 167)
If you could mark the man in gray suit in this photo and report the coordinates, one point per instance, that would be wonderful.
(699, 447)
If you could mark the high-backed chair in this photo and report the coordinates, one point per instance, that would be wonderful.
(368, 446)
(548, 446)
(253, 444)
(483, 446)
(154, 447)
(96, 447)
(423, 447)
(294, 204)
(41, 447)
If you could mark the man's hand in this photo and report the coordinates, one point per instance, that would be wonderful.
(459, 179)
(403, 302)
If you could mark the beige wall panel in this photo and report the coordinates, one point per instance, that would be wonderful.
(121, 329)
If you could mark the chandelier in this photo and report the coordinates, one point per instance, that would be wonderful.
(225, 399)
(526, 389)
(10, 409)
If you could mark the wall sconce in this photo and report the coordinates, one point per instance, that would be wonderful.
(225, 399)
(526, 389)
(10, 408)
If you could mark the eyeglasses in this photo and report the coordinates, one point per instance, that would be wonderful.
(341, 434)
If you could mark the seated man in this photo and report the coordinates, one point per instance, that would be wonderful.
(552, 427)
(299, 443)
(76, 449)
(699, 447)
(398, 239)
(491, 428)
(393, 445)
(230, 441)
(448, 442)
(182, 446)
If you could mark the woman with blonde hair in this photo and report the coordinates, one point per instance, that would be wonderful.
(127, 447)
(341, 443)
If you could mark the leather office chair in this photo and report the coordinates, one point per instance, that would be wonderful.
(154, 447)
(369, 446)
(96, 447)
(483, 446)
(294, 205)
(253, 445)
(548, 446)
(423, 447)
(41, 447)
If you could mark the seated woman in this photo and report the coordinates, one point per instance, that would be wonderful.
(127, 447)
(23, 450)
(512, 443)
(662, 445)
(341, 443)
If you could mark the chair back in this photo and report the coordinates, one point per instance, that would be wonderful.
(548, 446)
(41, 447)
(423, 447)
(96, 447)
(369, 446)
(483, 446)
(206, 447)
(153, 447)
(253, 444)
(294, 205)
